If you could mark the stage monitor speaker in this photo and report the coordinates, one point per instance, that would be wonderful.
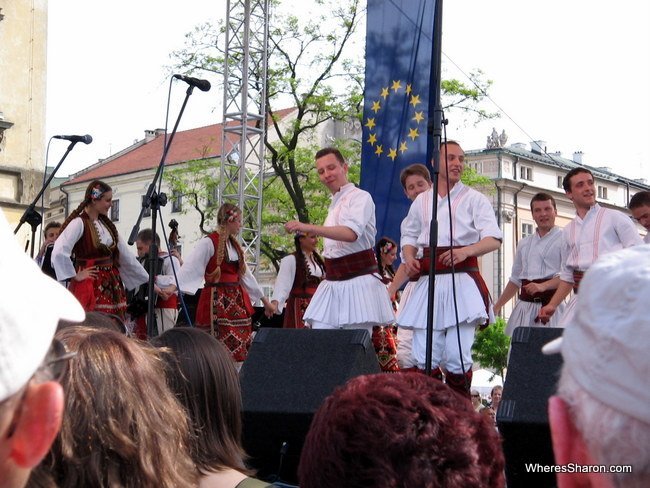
(522, 416)
(284, 380)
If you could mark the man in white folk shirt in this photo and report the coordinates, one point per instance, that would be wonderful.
(640, 208)
(593, 232)
(351, 296)
(476, 233)
(536, 270)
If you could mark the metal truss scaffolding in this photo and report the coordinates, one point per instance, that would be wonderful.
(244, 117)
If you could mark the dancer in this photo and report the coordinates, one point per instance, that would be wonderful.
(299, 276)
(536, 270)
(384, 336)
(103, 264)
(475, 233)
(225, 307)
(352, 295)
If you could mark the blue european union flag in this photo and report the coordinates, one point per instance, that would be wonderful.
(399, 43)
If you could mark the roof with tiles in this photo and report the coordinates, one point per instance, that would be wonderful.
(189, 145)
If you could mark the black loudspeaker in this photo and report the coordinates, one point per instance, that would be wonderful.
(284, 380)
(522, 416)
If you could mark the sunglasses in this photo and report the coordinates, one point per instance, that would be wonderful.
(53, 366)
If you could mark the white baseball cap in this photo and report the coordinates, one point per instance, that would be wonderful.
(31, 305)
(606, 349)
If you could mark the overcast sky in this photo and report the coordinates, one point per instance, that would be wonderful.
(573, 73)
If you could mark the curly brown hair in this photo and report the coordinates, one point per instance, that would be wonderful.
(402, 429)
(122, 426)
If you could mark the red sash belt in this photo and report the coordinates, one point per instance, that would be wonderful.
(303, 292)
(171, 302)
(87, 263)
(350, 266)
(577, 278)
(469, 266)
(543, 297)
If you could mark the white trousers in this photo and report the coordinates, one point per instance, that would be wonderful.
(445, 352)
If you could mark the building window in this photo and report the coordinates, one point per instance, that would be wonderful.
(147, 211)
(177, 202)
(560, 180)
(115, 210)
(477, 166)
(602, 192)
(526, 229)
(526, 173)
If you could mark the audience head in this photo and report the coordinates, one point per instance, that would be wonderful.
(400, 429)
(601, 413)
(490, 413)
(202, 374)
(476, 399)
(98, 320)
(122, 425)
(495, 396)
(31, 401)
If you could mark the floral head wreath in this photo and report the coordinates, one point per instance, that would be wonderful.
(96, 193)
(386, 248)
(231, 215)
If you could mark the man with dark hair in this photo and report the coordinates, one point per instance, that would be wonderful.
(640, 208)
(400, 430)
(593, 232)
(351, 296)
(536, 269)
(458, 280)
(31, 399)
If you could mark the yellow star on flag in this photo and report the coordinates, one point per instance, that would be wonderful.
(415, 99)
(392, 153)
(409, 89)
(370, 123)
(396, 85)
(413, 134)
(418, 117)
(384, 92)
(372, 139)
(403, 147)
(376, 106)
(379, 150)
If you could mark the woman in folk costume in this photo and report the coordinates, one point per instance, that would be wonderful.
(299, 276)
(103, 263)
(225, 305)
(384, 336)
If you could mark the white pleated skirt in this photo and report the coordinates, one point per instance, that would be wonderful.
(569, 312)
(471, 309)
(525, 313)
(359, 302)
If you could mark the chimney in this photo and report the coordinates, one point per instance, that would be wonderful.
(577, 157)
(538, 147)
(150, 135)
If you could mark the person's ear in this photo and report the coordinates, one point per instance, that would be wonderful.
(568, 443)
(38, 422)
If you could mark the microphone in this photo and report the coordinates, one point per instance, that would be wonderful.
(203, 85)
(87, 139)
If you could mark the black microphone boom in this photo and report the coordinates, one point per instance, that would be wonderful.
(87, 139)
(203, 85)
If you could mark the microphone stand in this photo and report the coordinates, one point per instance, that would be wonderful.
(434, 129)
(31, 215)
(154, 201)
